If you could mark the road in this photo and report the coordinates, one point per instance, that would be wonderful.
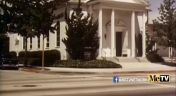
(20, 83)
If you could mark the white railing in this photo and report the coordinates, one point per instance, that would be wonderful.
(106, 52)
(126, 52)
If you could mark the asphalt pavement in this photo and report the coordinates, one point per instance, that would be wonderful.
(21, 83)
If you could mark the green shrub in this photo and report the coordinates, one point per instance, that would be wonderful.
(35, 57)
(87, 64)
(12, 55)
(154, 57)
(51, 57)
(21, 57)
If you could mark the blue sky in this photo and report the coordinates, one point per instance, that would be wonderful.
(155, 4)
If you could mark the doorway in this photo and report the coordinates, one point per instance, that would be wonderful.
(118, 44)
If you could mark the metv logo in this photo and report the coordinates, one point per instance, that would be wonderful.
(158, 78)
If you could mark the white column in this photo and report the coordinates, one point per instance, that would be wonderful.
(100, 23)
(144, 36)
(133, 50)
(112, 33)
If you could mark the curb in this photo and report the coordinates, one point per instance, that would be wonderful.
(93, 71)
(111, 70)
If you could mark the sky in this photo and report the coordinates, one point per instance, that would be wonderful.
(155, 4)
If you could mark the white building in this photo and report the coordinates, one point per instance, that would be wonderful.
(120, 21)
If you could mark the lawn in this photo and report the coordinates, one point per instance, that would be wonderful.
(86, 64)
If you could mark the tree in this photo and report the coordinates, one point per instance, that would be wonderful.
(29, 18)
(46, 19)
(150, 42)
(22, 20)
(81, 34)
(165, 25)
(16, 18)
(5, 19)
(4, 44)
(5, 16)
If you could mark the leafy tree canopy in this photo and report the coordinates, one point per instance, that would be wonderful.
(81, 34)
(5, 16)
(28, 18)
(165, 25)
(46, 17)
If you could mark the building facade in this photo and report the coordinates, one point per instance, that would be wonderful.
(120, 23)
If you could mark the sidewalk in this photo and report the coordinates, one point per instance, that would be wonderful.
(126, 68)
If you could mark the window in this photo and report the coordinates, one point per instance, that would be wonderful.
(24, 43)
(58, 35)
(47, 41)
(38, 42)
(31, 43)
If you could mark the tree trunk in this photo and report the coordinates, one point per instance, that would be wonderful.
(26, 55)
(43, 54)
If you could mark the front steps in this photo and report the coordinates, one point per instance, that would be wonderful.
(128, 59)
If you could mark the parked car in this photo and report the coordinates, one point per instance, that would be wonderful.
(8, 63)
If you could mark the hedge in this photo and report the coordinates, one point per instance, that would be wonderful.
(34, 58)
(12, 55)
(86, 64)
(154, 57)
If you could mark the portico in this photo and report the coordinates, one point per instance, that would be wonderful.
(118, 29)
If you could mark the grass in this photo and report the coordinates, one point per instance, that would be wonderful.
(86, 64)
